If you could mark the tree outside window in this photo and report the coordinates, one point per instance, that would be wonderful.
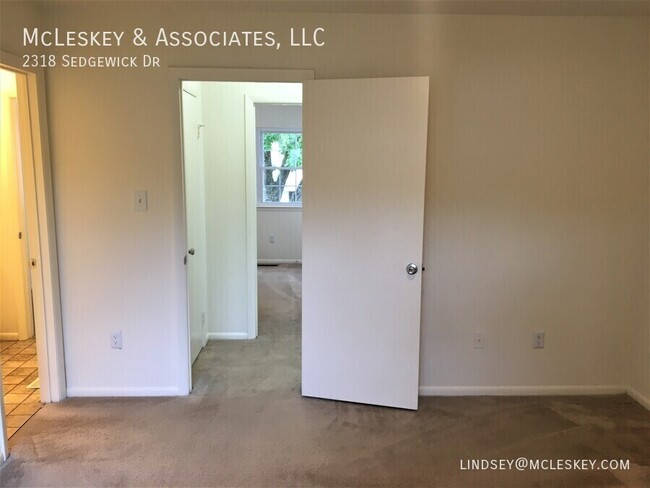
(281, 168)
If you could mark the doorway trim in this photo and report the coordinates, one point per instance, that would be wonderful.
(178, 74)
(42, 235)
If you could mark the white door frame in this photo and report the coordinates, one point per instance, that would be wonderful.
(39, 204)
(251, 215)
(4, 447)
(176, 76)
(42, 235)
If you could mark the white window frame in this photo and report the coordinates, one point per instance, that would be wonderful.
(260, 167)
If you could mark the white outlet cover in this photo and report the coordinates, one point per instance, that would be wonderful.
(116, 339)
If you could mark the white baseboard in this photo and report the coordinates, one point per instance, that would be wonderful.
(635, 395)
(130, 391)
(278, 261)
(227, 336)
(522, 390)
(8, 336)
(164, 391)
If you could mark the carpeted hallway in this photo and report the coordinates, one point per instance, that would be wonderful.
(272, 361)
(247, 425)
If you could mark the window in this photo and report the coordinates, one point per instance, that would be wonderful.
(279, 178)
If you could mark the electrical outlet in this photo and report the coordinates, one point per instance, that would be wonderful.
(116, 339)
(538, 339)
(479, 340)
(272, 239)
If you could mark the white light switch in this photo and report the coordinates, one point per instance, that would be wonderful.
(140, 199)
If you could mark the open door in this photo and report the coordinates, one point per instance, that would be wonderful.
(363, 210)
(195, 215)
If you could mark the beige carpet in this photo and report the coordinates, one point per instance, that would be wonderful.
(247, 425)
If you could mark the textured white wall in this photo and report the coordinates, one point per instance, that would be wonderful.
(536, 211)
(285, 224)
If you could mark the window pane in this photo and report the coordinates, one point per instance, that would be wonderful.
(267, 158)
(271, 194)
(272, 176)
(282, 149)
(282, 167)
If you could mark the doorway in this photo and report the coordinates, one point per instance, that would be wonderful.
(18, 353)
(362, 233)
(32, 338)
(228, 193)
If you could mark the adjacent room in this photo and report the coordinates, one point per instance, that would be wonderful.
(20, 379)
(242, 146)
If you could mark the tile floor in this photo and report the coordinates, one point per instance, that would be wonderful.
(19, 370)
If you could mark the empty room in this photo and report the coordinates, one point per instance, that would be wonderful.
(325, 243)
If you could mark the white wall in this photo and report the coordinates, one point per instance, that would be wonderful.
(278, 116)
(639, 338)
(284, 224)
(536, 213)
(225, 184)
(536, 203)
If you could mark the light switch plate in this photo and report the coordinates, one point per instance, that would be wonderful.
(140, 200)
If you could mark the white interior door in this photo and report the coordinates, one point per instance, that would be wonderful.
(193, 160)
(363, 210)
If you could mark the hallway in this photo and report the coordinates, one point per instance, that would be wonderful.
(272, 361)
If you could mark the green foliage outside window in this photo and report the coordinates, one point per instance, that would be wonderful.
(290, 146)
(276, 178)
